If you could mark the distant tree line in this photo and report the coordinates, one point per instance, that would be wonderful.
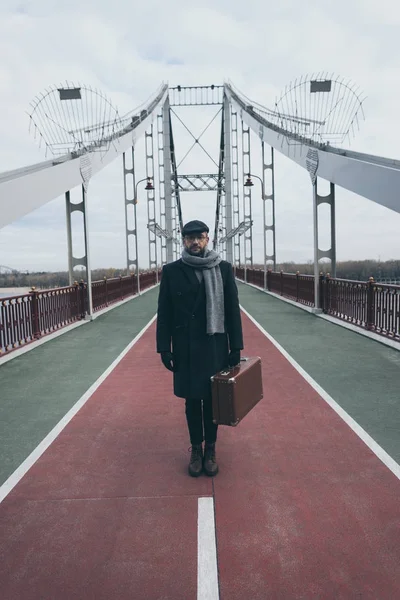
(47, 280)
(358, 270)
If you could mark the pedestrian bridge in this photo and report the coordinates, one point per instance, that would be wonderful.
(95, 497)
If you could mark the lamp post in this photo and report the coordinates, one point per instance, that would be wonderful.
(149, 186)
(249, 183)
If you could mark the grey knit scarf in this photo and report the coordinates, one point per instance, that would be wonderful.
(209, 266)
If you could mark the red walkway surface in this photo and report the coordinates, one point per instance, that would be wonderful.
(304, 510)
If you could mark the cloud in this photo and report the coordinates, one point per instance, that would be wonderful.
(127, 53)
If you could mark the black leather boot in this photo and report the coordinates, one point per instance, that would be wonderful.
(196, 460)
(210, 462)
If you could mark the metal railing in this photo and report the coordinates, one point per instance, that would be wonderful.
(28, 317)
(371, 305)
(295, 286)
(109, 291)
(374, 306)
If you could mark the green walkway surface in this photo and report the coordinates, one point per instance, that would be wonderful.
(361, 375)
(38, 388)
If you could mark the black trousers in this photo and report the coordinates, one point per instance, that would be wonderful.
(199, 420)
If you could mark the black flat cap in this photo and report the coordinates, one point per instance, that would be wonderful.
(194, 227)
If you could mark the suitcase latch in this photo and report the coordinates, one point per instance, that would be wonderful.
(242, 359)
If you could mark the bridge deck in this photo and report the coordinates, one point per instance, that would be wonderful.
(303, 507)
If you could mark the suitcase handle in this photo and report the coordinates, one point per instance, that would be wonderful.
(242, 359)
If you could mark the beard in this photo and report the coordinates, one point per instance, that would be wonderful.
(192, 252)
(196, 252)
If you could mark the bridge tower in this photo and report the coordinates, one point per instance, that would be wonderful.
(307, 124)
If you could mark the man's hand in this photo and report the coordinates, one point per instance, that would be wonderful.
(168, 361)
(234, 358)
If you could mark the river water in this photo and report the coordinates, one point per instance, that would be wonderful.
(7, 292)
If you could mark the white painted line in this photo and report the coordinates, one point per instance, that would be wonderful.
(15, 477)
(55, 334)
(207, 571)
(362, 434)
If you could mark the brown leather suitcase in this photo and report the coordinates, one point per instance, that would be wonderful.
(236, 391)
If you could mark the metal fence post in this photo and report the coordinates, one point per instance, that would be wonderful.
(106, 289)
(281, 283)
(322, 290)
(82, 299)
(269, 280)
(370, 304)
(77, 301)
(35, 314)
(326, 294)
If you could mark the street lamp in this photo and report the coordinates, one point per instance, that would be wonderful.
(249, 183)
(149, 186)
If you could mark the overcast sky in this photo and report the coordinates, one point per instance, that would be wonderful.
(126, 49)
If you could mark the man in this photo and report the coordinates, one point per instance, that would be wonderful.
(199, 332)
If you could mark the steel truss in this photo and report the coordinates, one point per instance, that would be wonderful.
(268, 216)
(228, 179)
(203, 95)
(151, 201)
(159, 232)
(166, 124)
(130, 207)
(161, 186)
(177, 224)
(238, 231)
(220, 212)
(84, 260)
(238, 215)
(200, 183)
(235, 188)
(234, 220)
(374, 177)
(247, 208)
(221, 196)
(318, 253)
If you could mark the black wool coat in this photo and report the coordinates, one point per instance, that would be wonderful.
(182, 327)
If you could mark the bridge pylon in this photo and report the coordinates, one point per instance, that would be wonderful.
(304, 125)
